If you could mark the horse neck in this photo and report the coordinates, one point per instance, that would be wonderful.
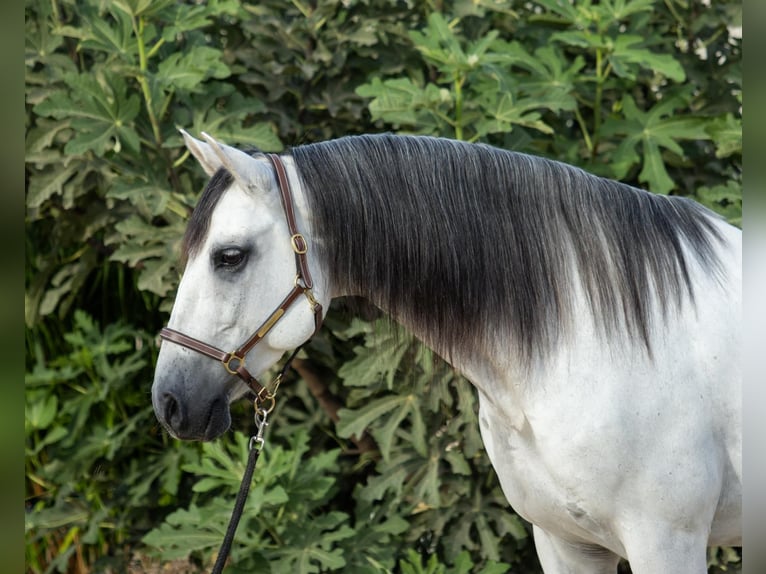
(463, 249)
(392, 263)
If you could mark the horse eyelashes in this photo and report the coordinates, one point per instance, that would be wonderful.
(231, 258)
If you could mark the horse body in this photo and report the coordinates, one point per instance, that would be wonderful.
(600, 447)
(614, 425)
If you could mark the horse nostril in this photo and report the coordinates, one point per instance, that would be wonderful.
(171, 411)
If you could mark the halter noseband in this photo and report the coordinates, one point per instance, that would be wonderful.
(234, 362)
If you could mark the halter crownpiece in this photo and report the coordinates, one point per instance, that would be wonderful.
(234, 361)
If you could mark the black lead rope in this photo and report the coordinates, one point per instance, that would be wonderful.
(254, 448)
(239, 506)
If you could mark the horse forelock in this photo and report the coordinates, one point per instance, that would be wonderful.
(470, 243)
(199, 222)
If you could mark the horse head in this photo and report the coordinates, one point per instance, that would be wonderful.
(240, 262)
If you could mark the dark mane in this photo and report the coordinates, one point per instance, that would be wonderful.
(465, 241)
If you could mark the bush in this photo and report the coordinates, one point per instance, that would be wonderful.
(374, 462)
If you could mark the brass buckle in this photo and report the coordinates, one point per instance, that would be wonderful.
(232, 357)
(296, 247)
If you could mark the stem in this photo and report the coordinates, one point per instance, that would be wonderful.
(156, 47)
(584, 130)
(600, 78)
(143, 64)
(55, 12)
(138, 29)
(459, 80)
(181, 159)
(675, 14)
(302, 9)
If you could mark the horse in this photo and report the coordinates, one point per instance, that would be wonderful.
(598, 322)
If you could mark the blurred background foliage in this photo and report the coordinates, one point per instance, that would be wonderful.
(374, 461)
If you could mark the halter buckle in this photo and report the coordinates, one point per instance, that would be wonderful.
(300, 246)
(238, 365)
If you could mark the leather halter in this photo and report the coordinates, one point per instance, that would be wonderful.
(234, 361)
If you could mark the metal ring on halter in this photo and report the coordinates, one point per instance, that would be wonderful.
(260, 401)
(234, 357)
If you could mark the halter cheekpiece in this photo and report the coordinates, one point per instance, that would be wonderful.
(234, 361)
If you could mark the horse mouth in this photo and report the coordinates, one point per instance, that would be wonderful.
(218, 421)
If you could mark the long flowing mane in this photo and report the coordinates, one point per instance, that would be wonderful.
(467, 241)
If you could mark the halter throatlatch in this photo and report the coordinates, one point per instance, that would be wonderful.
(234, 361)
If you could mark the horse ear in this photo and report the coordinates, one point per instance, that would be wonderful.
(214, 155)
(202, 152)
(242, 166)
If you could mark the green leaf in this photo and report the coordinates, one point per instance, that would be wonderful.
(144, 8)
(565, 10)
(391, 481)
(185, 531)
(68, 279)
(654, 129)
(504, 113)
(355, 422)
(109, 36)
(626, 57)
(551, 82)
(653, 171)
(724, 199)
(621, 9)
(184, 18)
(581, 39)
(44, 186)
(151, 199)
(41, 413)
(401, 102)
(440, 46)
(726, 133)
(313, 548)
(189, 70)
(376, 361)
(261, 135)
(100, 113)
(155, 276)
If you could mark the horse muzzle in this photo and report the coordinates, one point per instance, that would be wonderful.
(189, 417)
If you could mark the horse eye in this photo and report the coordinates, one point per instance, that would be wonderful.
(230, 258)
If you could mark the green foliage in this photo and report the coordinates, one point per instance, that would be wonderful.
(474, 93)
(107, 85)
(285, 526)
(628, 95)
(640, 90)
(413, 565)
(91, 465)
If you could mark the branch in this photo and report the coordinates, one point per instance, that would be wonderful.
(329, 402)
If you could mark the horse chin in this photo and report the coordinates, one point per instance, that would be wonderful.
(218, 423)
